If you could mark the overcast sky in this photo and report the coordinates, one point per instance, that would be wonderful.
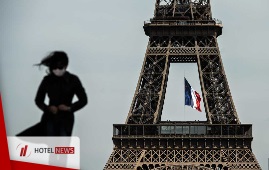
(106, 45)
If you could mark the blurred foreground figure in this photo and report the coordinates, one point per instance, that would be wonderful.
(60, 86)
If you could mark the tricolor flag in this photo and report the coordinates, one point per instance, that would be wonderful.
(192, 98)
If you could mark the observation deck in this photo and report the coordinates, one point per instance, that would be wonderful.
(182, 135)
(155, 27)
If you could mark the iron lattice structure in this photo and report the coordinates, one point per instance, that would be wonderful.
(182, 31)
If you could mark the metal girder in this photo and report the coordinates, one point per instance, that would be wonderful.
(183, 9)
(232, 159)
(149, 96)
(182, 31)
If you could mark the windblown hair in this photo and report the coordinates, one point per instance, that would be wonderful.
(54, 58)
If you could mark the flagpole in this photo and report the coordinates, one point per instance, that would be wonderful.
(184, 95)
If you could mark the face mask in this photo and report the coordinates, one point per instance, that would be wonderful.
(59, 72)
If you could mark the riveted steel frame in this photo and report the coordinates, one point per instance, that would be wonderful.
(182, 145)
(164, 159)
(182, 31)
(183, 9)
(148, 100)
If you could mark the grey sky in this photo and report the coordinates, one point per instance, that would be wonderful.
(106, 45)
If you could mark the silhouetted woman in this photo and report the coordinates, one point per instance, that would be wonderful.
(60, 86)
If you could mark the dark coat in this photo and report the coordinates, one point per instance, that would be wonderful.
(60, 90)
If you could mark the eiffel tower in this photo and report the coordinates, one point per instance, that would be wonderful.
(182, 31)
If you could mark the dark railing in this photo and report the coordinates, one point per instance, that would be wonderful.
(239, 130)
(183, 22)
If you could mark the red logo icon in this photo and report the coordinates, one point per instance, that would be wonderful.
(23, 151)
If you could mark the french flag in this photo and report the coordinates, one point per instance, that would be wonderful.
(192, 98)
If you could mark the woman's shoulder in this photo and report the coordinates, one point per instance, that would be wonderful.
(71, 76)
(47, 77)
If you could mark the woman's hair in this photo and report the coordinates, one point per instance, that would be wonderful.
(54, 58)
